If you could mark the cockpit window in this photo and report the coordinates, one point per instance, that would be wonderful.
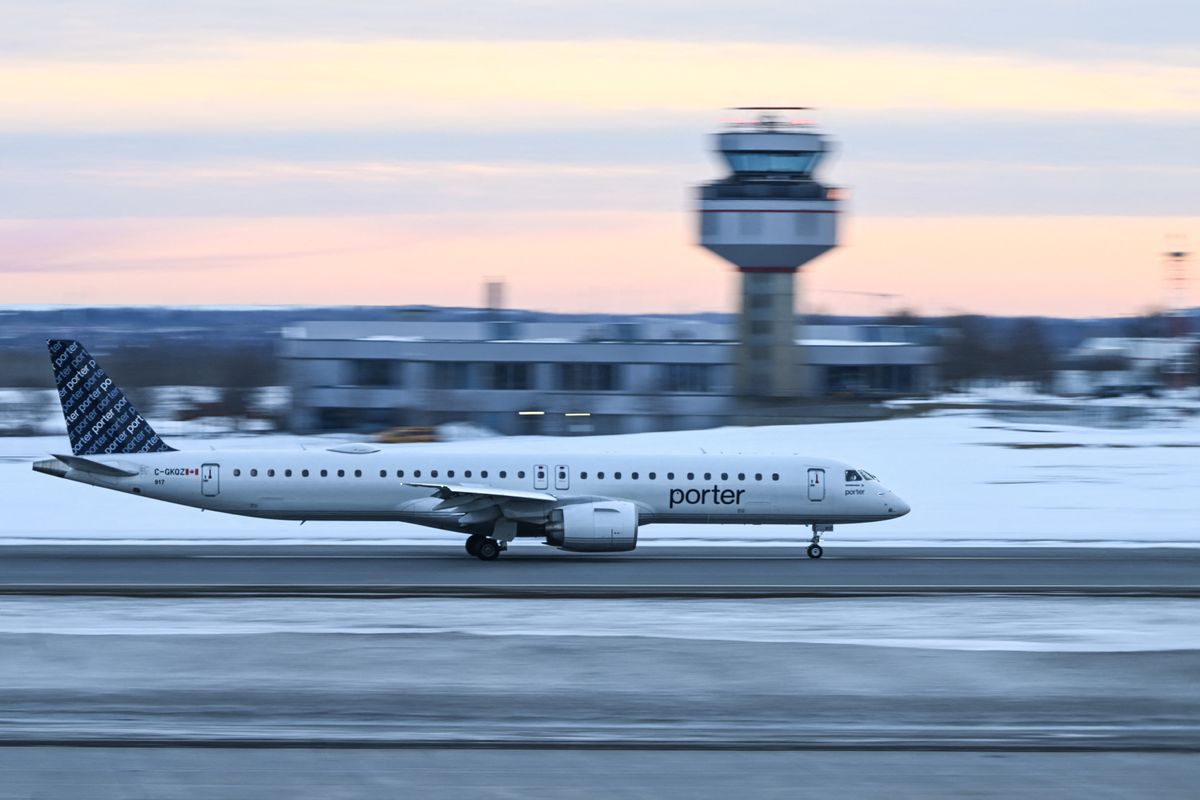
(852, 476)
(868, 475)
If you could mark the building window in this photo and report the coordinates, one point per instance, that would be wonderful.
(576, 377)
(372, 372)
(686, 377)
(806, 224)
(451, 375)
(506, 376)
(710, 223)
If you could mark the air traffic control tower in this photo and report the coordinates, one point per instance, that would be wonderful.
(769, 217)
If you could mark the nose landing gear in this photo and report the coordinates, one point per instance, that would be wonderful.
(814, 549)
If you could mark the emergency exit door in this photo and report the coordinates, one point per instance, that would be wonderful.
(210, 480)
(816, 485)
(562, 477)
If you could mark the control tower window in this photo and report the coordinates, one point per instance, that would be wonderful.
(782, 163)
(749, 223)
(806, 224)
(710, 223)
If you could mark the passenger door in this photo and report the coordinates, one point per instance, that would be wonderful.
(562, 477)
(210, 480)
(816, 485)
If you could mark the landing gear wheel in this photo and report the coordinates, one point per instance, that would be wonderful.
(815, 551)
(489, 550)
(473, 542)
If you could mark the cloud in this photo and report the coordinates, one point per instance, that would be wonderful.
(131, 30)
(422, 85)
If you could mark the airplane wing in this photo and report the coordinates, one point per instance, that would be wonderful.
(448, 491)
(480, 504)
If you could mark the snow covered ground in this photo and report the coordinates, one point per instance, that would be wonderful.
(970, 479)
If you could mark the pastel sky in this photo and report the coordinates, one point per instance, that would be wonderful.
(1006, 157)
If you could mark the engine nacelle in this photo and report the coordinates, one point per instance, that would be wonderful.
(601, 527)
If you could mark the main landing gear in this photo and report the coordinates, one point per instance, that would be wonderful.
(485, 548)
(815, 550)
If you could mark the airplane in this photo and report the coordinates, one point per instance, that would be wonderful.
(574, 498)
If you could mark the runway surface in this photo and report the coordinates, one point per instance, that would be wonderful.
(529, 571)
(316, 671)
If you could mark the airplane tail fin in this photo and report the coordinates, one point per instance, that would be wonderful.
(100, 418)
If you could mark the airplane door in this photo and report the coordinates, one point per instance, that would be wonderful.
(816, 485)
(541, 476)
(562, 477)
(210, 480)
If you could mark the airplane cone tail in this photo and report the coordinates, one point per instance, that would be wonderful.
(100, 418)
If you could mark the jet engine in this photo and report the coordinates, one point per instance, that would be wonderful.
(601, 527)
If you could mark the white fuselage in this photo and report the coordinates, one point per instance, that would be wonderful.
(377, 484)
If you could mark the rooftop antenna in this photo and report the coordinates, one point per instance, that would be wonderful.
(1177, 277)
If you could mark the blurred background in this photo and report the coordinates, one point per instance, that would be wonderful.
(949, 243)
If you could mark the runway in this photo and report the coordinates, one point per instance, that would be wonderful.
(215, 671)
(531, 571)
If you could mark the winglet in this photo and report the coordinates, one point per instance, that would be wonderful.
(100, 418)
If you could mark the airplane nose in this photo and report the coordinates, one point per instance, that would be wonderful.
(897, 506)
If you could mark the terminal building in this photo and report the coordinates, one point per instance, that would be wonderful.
(639, 374)
(767, 217)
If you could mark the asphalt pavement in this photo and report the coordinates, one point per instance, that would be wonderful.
(529, 570)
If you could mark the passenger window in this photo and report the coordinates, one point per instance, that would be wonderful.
(521, 474)
(670, 476)
(466, 474)
(303, 473)
(287, 473)
(774, 476)
(741, 476)
(358, 473)
(503, 473)
(237, 473)
(708, 476)
(433, 473)
(449, 473)
(254, 473)
(651, 476)
(583, 476)
(599, 476)
(324, 473)
(483, 473)
(341, 473)
(691, 476)
(270, 473)
(383, 473)
(633, 475)
(416, 473)
(758, 476)
(616, 476)
(399, 473)
(724, 476)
